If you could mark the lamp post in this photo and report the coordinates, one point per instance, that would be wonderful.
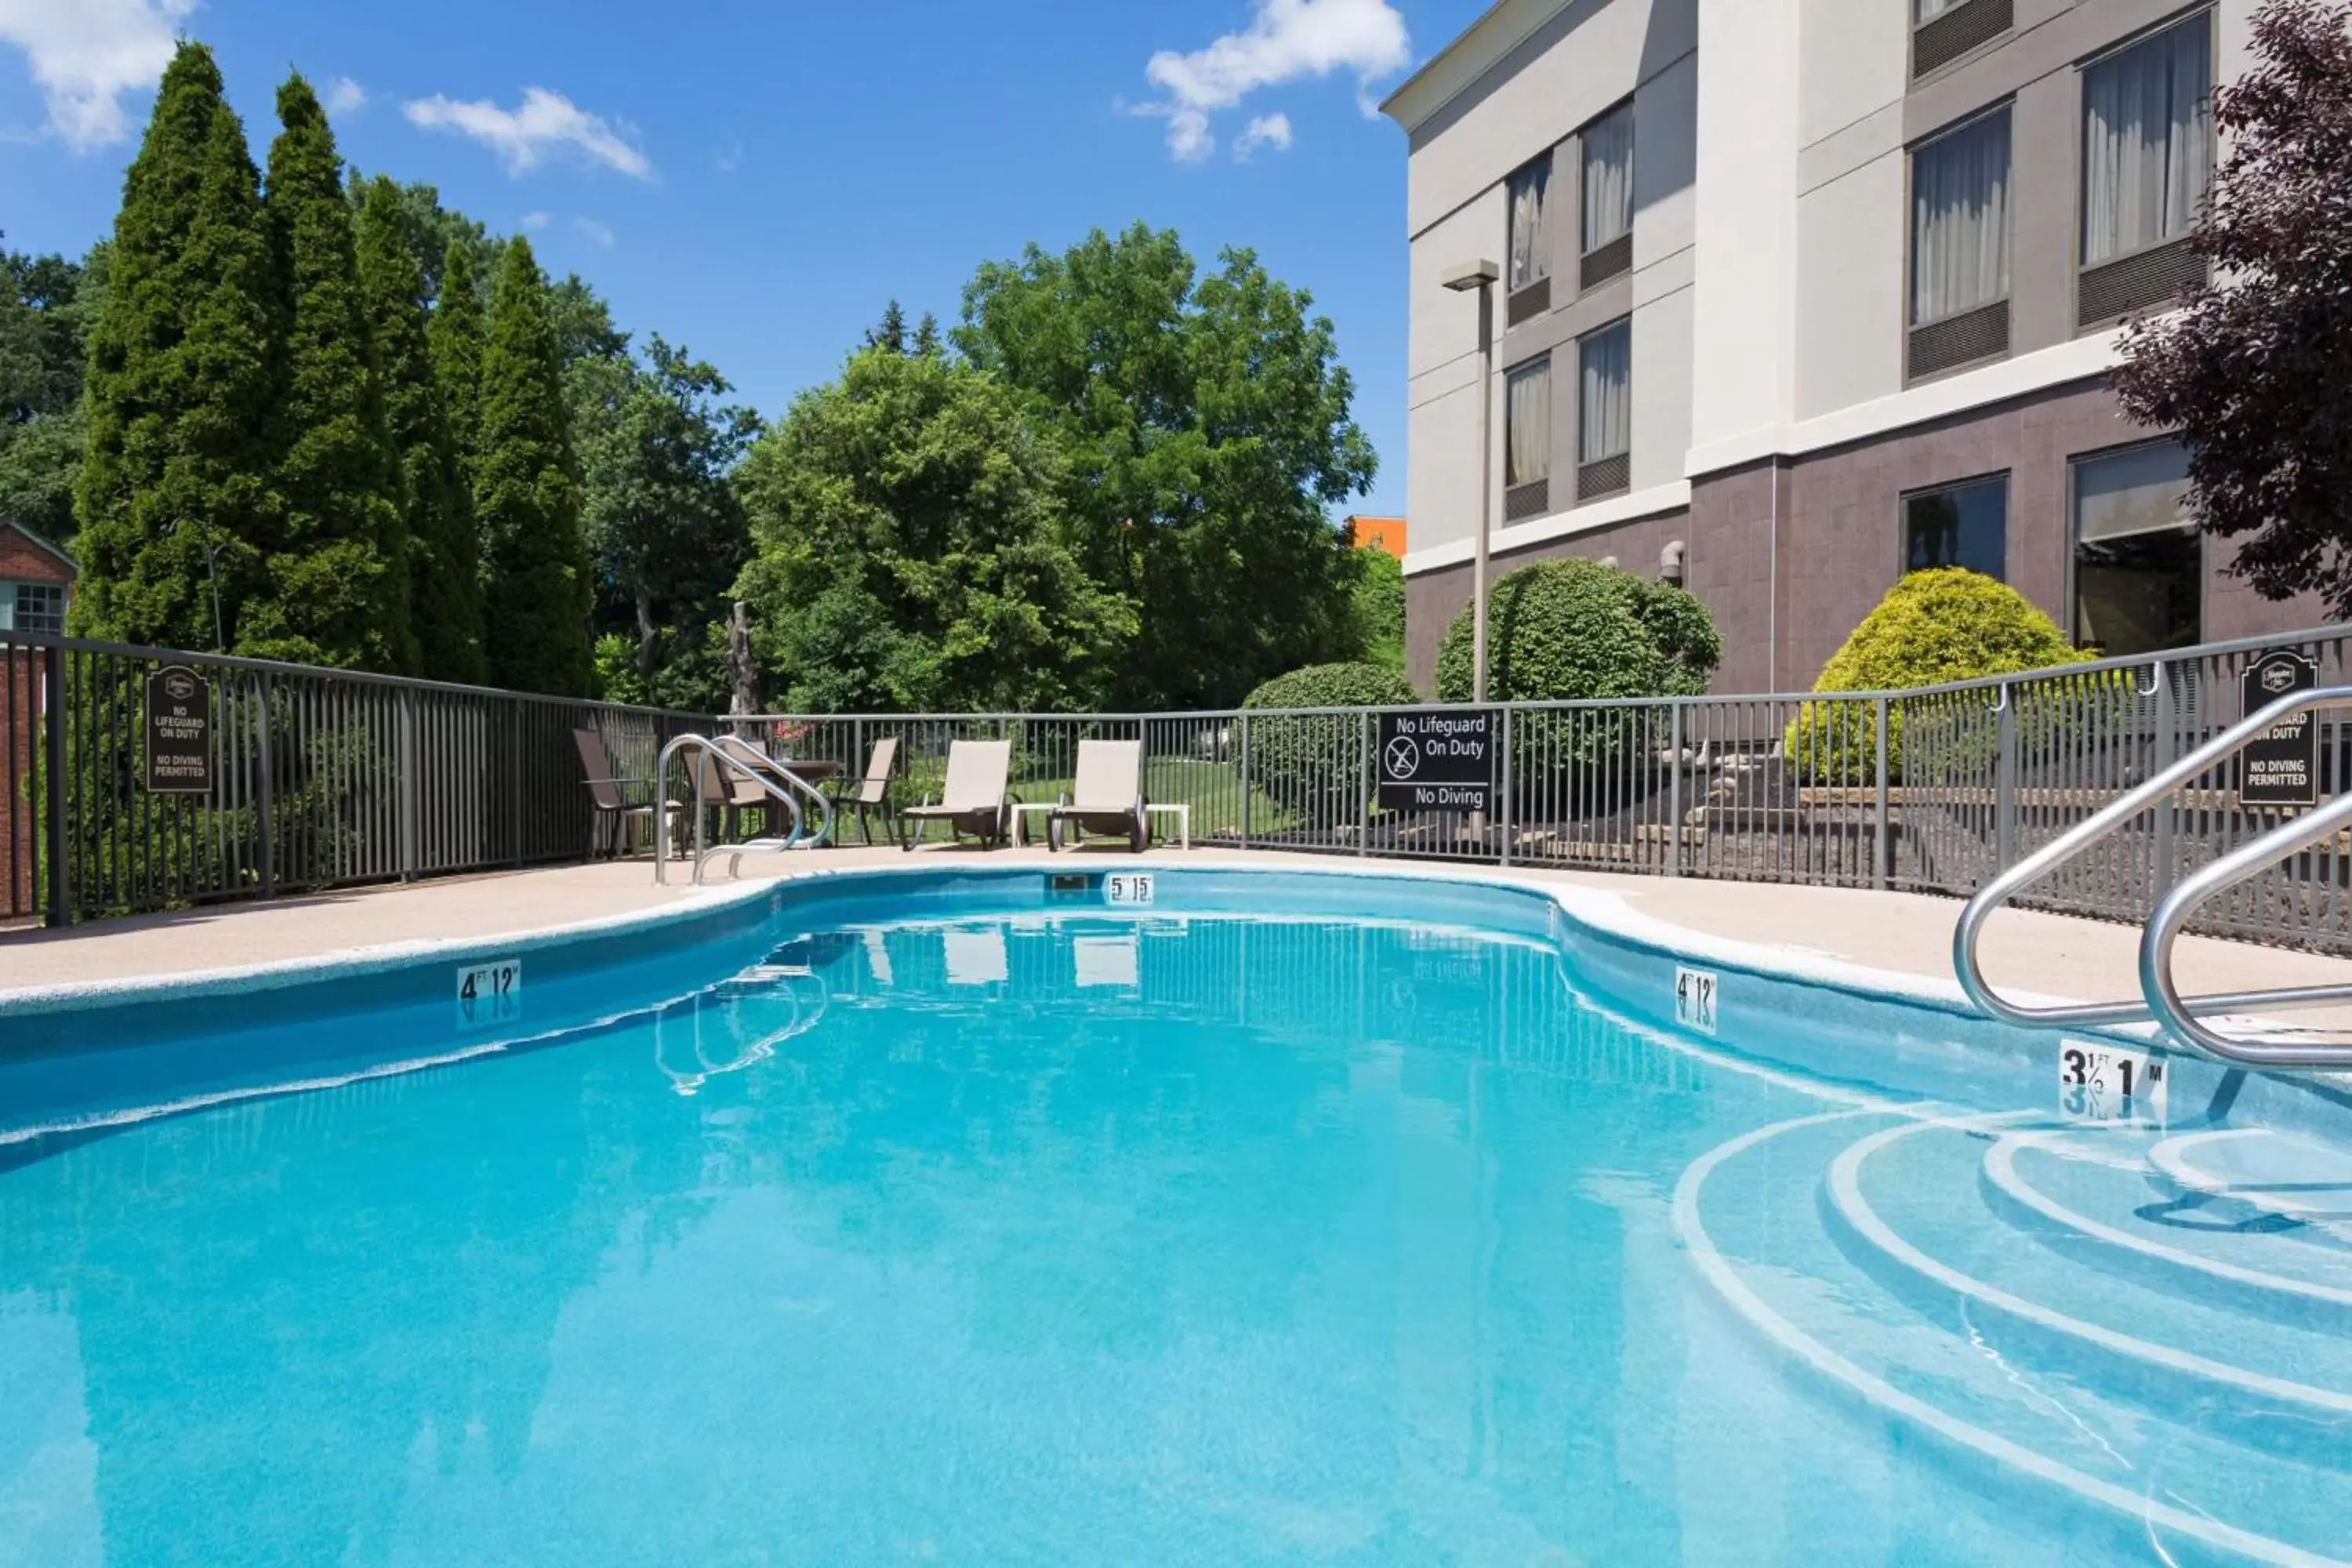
(1480, 274)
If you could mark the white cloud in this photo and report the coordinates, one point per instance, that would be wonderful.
(1287, 40)
(522, 136)
(535, 220)
(1266, 130)
(729, 161)
(84, 54)
(345, 95)
(594, 233)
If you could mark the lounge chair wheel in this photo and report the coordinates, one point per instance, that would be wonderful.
(1053, 834)
(1139, 837)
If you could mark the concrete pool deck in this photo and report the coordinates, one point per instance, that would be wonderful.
(1905, 934)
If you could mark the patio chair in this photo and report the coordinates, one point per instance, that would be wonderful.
(608, 793)
(730, 788)
(1106, 797)
(973, 799)
(870, 791)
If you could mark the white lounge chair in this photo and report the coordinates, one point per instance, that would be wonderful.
(973, 799)
(1106, 796)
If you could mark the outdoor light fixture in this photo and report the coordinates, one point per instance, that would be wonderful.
(1480, 274)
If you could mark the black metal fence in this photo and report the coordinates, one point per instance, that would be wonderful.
(317, 779)
(324, 778)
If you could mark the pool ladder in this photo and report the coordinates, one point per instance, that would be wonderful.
(2161, 999)
(778, 783)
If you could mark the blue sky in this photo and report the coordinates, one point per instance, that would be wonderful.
(756, 181)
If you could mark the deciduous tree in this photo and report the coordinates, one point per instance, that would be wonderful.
(1209, 427)
(2251, 370)
(45, 306)
(910, 549)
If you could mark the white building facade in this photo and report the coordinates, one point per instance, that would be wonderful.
(1798, 295)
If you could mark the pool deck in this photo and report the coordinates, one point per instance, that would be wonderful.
(1905, 933)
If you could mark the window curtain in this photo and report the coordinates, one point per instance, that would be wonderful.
(2138, 491)
(1608, 155)
(1606, 428)
(1926, 11)
(1530, 235)
(2147, 141)
(1526, 455)
(1959, 219)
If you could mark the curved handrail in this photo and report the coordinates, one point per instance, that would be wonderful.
(1970, 930)
(757, 765)
(774, 781)
(2155, 978)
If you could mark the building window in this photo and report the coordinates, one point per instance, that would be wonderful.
(1605, 423)
(1527, 441)
(1530, 238)
(1959, 246)
(32, 607)
(1606, 224)
(2139, 565)
(2147, 141)
(1962, 525)
(1944, 30)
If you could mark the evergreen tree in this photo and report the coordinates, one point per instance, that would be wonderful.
(445, 552)
(527, 496)
(174, 494)
(338, 570)
(455, 336)
(890, 334)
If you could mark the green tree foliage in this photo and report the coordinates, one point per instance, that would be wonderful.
(665, 526)
(174, 477)
(908, 549)
(432, 231)
(454, 337)
(527, 496)
(1379, 600)
(1574, 629)
(338, 566)
(445, 551)
(1207, 420)
(1945, 624)
(45, 306)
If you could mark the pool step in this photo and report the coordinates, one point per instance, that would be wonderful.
(1761, 1218)
(1904, 1200)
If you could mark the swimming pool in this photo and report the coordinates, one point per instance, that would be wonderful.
(964, 1218)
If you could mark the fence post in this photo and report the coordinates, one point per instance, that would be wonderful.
(1881, 854)
(408, 823)
(514, 769)
(1365, 732)
(53, 742)
(2004, 785)
(1674, 789)
(1245, 782)
(2167, 810)
(265, 798)
(1506, 813)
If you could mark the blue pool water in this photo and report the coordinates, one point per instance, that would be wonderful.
(1293, 1220)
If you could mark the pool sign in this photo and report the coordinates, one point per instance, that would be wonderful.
(179, 733)
(1694, 994)
(2102, 1083)
(1128, 887)
(1437, 759)
(2280, 766)
(490, 993)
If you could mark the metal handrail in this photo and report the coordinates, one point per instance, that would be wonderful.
(1970, 931)
(775, 782)
(2155, 978)
(752, 763)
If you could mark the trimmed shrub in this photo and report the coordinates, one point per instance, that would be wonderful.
(1575, 630)
(1564, 630)
(1934, 626)
(1313, 765)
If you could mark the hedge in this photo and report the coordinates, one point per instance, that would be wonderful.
(1312, 764)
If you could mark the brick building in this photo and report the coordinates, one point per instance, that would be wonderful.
(36, 579)
(1793, 295)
